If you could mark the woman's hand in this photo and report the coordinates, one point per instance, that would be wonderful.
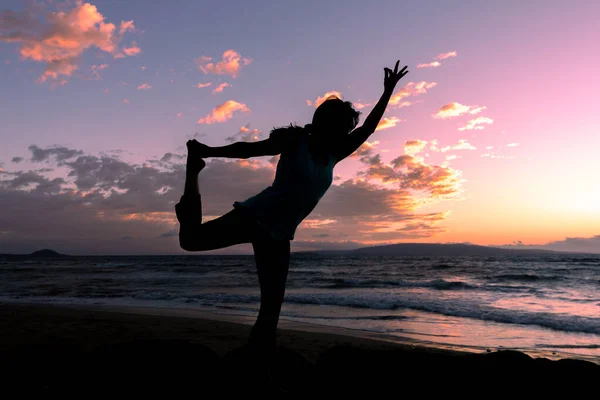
(196, 152)
(392, 77)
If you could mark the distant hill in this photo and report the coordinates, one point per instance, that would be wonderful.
(436, 249)
(39, 253)
(46, 253)
(446, 250)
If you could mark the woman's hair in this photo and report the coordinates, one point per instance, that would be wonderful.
(331, 112)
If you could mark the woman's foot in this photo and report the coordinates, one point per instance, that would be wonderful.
(195, 163)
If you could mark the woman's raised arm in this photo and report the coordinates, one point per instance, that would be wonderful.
(358, 136)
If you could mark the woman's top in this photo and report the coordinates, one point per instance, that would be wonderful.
(299, 184)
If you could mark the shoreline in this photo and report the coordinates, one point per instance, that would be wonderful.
(74, 349)
(207, 328)
(293, 328)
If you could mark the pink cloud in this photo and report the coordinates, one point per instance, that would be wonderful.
(433, 64)
(144, 86)
(462, 144)
(231, 63)
(358, 105)
(133, 50)
(126, 26)
(414, 146)
(411, 89)
(223, 112)
(444, 56)
(245, 134)
(477, 124)
(512, 144)
(386, 123)
(219, 89)
(60, 38)
(203, 85)
(321, 99)
(455, 109)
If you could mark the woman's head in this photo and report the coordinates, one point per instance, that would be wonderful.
(335, 116)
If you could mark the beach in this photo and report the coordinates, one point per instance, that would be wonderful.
(67, 349)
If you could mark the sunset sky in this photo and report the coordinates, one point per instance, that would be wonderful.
(492, 138)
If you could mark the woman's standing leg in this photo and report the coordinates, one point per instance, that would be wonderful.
(272, 264)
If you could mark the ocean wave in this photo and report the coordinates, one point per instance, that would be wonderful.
(474, 310)
(525, 277)
(114, 264)
(339, 283)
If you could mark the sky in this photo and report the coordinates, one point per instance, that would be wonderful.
(491, 138)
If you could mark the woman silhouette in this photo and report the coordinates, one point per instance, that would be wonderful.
(269, 219)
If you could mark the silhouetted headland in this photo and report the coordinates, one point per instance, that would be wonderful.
(438, 250)
(46, 253)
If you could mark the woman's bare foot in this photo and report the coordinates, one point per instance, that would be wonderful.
(195, 163)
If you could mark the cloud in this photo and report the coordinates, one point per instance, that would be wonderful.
(245, 134)
(126, 26)
(410, 90)
(463, 144)
(414, 146)
(433, 64)
(321, 99)
(444, 56)
(102, 199)
(386, 123)
(203, 85)
(170, 233)
(455, 109)
(358, 105)
(144, 86)
(365, 149)
(223, 112)
(231, 63)
(451, 157)
(569, 244)
(512, 144)
(476, 124)
(58, 153)
(59, 38)
(219, 89)
(433, 146)
(17, 159)
(132, 50)
(96, 70)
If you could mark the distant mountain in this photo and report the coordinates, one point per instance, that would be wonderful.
(436, 249)
(46, 253)
(39, 253)
(444, 250)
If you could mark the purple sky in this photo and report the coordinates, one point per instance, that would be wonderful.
(492, 137)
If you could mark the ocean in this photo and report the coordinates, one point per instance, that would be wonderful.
(542, 305)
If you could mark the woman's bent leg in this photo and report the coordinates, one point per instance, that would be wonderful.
(228, 230)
